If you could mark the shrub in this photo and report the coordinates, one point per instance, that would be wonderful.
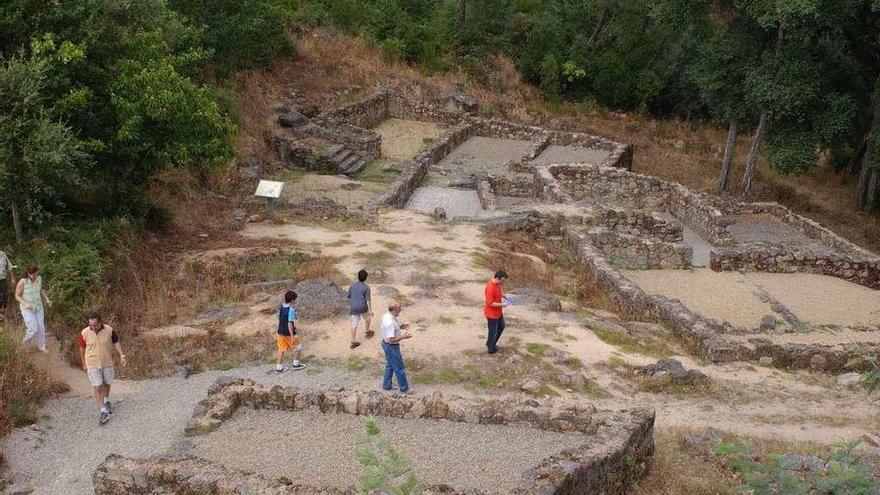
(385, 469)
(843, 474)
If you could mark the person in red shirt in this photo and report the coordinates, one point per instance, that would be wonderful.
(492, 310)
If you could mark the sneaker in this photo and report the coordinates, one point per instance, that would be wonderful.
(108, 406)
(297, 366)
(281, 368)
(355, 344)
(370, 334)
(105, 415)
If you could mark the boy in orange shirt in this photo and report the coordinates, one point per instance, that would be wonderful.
(492, 310)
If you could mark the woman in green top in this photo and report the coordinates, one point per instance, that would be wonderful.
(30, 296)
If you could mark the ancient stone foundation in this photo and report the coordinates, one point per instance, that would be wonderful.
(616, 452)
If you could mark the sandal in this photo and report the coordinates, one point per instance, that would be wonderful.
(370, 334)
(354, 344)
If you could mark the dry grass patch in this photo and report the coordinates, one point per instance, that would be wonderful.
(23, 387)
(546, 266)
(215, 350)
(676, 472)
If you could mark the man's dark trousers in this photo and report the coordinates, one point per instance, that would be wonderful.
(496, 327)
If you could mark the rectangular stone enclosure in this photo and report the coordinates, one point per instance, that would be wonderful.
(615, 450)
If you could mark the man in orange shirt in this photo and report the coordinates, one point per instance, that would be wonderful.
(492, 310)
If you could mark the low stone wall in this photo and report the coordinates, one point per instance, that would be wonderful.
(503, 129)
(354, 137)
(629, 190)
(118, 475)
(367, 112)
(806, 226)
(403, 108)
(565, 138)
(414, 171)
(516, 185)
(699, 214)
(610, 185)
(633, 252)
(617, 450)
(486, 195)
(640, 223)
(757, 257)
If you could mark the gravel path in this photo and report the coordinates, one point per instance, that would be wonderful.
(58, 455)
(458, 203)
(319, 449)
(555, 153)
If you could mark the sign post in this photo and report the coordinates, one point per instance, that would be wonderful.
(271, 190)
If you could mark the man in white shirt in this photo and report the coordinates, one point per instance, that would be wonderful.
(391, 337)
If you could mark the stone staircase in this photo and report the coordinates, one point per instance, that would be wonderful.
(348, 162)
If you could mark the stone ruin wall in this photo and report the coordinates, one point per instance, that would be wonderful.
(632, 252)
(777, 258)
(415, 170)
(620, 187)
(804, 225)
(617, 450)
(613, 183)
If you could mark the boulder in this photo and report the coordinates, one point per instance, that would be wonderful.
(439, 213)
(292, 118)
(765, 361)
(529, 385)
(320, 298)
(239, 217)
(768, 322)
(387, 291)
(848, 379)
(818, 362)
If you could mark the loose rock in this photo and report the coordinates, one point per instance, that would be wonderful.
(848, 379)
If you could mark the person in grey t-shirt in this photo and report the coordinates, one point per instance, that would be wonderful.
(361, 307)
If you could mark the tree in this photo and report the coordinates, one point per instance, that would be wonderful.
(717, 71)
(41, 160)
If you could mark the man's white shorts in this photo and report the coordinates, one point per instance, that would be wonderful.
(101, 376)
(356, 319)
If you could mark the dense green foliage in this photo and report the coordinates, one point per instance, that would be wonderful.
(809, 66)
(95, 97)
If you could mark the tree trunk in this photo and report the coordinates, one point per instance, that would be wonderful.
(749, 174)
(600, 23)
(867, 188)
(727, 163)
(462, 11)
(16, 221)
